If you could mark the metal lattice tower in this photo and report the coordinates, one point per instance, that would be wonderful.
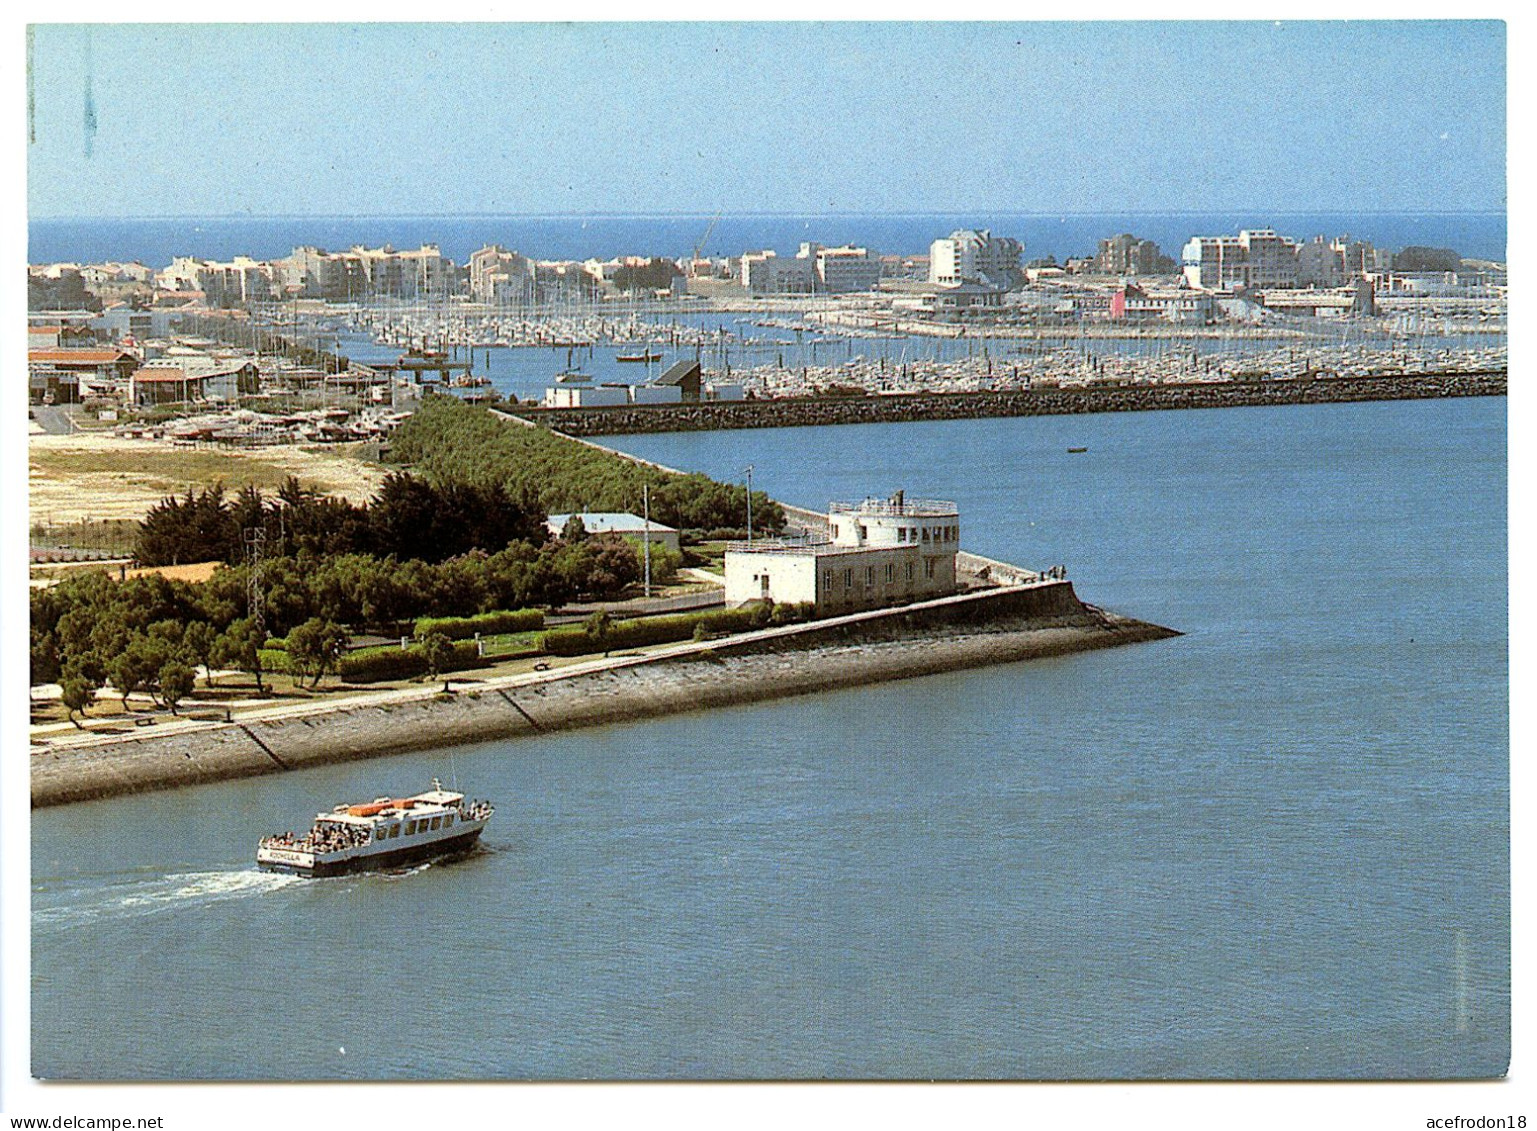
(255, 551)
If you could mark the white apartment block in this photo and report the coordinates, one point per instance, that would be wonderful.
(356, 274)
(501, 276)
(242, 280)
(404, 274)
(842, 270)
(768, 273)
(975, 257)
(878, 553)
(1251, 259)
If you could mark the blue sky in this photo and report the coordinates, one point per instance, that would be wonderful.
(412, 119)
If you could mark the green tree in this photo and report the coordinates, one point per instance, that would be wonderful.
(46, 665)
(198, 641)
(315, 646)
(176, 682)
(438, 651)
(137, 667)
(77, 693)
(240, 646)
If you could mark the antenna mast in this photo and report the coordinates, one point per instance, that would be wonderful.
(255, 550)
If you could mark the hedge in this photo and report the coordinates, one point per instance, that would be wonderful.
(487, 624)
(641, 631)
(275, 659)
(369, 665)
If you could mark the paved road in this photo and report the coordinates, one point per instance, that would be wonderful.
(53, 419)
(640, 606)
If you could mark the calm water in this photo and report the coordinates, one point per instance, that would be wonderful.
(1275, 846)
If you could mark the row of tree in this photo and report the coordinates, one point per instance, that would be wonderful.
(450, 442)
(409, 518)
(464, 537)
(93, 629)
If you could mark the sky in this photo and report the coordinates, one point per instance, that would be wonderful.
(695, 118)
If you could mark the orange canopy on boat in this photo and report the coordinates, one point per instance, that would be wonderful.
(379, 806)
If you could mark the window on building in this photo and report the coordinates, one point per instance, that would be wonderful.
(848, 579)
(909, 571)
(827, 579)
(928, 568)
(891, 572)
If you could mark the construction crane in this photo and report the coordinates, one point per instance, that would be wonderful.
(704, 239)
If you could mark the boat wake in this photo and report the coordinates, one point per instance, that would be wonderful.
(403, 873)
(72, 903)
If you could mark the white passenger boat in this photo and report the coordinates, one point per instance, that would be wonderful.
(388, 832)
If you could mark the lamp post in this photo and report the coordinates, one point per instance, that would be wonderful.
(749, 506)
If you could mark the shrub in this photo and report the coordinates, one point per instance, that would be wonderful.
(643, 631)
(276, 660)
(487, 624)
(369, 665)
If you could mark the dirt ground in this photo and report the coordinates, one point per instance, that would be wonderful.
(77, 477)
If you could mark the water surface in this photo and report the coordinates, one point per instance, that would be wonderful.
(1276, 846)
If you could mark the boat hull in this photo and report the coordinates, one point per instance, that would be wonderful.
(442, 849)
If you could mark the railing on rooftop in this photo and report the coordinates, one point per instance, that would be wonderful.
(924, 508)
(810, 544)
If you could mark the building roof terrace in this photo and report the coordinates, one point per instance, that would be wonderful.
(898, 504)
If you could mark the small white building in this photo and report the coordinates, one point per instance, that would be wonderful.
(656, 394)
(877, 553)
(618, 522)
(586, 396)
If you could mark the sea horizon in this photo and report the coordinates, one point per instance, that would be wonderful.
(157, 240)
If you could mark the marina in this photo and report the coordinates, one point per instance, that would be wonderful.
(804, 349)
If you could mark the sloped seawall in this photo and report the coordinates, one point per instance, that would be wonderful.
(968, 630)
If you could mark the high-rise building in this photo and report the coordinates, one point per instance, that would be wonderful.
(1125, 254)
(501, 276)
(842, 270)
(1252, 259)
(967, 256)
(767, 273)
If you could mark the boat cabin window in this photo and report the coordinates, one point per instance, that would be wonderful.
(437, 822)
(448, 821)
(410, 828)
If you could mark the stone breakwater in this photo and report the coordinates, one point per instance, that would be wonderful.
(902, 407)
(968, 630)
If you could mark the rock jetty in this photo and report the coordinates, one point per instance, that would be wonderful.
(1041, 401)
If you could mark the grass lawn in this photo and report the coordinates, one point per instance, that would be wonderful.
(164, 469)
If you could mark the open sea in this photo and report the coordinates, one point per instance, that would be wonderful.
(1274, 847)
(156, 241)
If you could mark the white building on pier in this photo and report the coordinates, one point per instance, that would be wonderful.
(876, 553)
